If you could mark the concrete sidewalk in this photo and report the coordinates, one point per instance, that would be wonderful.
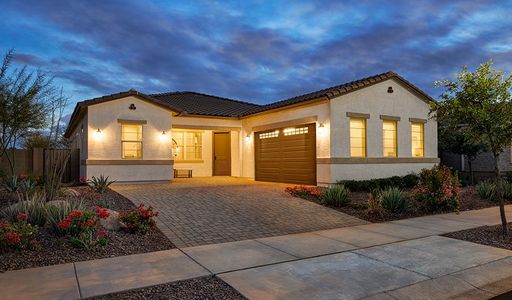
(401, 259)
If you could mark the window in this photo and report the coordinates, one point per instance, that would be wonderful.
(389, 138)
(268, 135)
(357, 137)
(417, 141)
(188, 145)
(294, 131)
(131, 141)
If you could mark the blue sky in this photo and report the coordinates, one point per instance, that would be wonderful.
(258, 51)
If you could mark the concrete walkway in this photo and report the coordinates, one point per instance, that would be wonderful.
(404, 259)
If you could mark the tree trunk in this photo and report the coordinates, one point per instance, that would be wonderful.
(499, 190)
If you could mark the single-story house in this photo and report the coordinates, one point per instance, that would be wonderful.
(374, 127)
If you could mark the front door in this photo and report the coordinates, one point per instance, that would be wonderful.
(221, 154)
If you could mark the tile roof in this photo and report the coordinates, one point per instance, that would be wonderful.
(201, 104)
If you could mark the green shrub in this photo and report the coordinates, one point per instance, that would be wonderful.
(404, 182)
(26, 188)
(438, 189)
(101, 183)
(507, 190)
(393, 199)
(138, 220)
(487, 190)
(336, 195)
(18, 234)
(59, 210)
(10, 183)
(374, 204)
(33, 206)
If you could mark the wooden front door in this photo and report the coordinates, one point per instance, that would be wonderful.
(221, 154)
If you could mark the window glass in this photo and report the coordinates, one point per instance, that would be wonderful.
(187, 145)
(131, 141)
(357, 137)
(389, 136)
(417, 142)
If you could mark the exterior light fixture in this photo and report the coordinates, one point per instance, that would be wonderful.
(163, 136)
(97, 134)
(248, 138)
(321, 128)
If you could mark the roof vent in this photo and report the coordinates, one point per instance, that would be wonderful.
(390, 90)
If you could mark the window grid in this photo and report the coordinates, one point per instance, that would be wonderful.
(417, 140)
(188, 145)
(295, 131)
(268, 135)
(131, 141)
(389, 136)
(357, 137)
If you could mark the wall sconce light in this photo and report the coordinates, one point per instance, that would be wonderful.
(163, 136)
(97, 134)
(248, 138)
(321, 128)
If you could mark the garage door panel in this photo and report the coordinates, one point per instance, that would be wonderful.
(286, 158)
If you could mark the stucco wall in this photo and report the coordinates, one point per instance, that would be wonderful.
(107, 145)
(320, 111)
(371, 171)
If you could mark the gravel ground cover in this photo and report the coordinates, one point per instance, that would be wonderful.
(56, 250)
(485, 235)
(197, 288)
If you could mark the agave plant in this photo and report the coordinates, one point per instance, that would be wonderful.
(101, 183)
(394, 199)
(336, 195)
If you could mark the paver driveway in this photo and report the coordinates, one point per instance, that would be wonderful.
(199, 211)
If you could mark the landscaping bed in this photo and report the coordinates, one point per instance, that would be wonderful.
(196, 288)
(485, 235)
(53, 249)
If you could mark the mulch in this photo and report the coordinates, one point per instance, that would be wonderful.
(56, 250)
(359, 203)
(485, 235)
(196, 288)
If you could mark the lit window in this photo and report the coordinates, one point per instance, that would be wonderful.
(131, 141)
(357, 137)
(389, 138)
(268, 135)
(417, 141)
(294, 131)
(188, 145)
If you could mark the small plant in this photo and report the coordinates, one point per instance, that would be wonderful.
(438, 189)
(27, 187)
(336, 195)
(393, 199)
(58, 211)
(301, 190)
(138, 220)
(374, 204)
(82, 228)
(18, 234)
(106, 201)
(507, 190)
(33, 206)
(101, 183)
(487, 190)
(10, 183)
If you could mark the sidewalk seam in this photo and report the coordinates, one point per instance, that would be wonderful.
(77, 281)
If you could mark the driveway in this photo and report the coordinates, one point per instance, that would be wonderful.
(200, 211)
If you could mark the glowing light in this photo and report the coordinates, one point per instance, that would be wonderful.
(98, 134)
(163, 137)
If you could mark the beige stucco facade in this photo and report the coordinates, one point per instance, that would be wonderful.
(101, 153)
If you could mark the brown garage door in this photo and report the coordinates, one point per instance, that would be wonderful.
(286, 155)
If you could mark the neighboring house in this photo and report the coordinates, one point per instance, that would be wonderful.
(369, 128)
(483, 165)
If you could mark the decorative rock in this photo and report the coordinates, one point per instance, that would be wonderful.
(56, 203)
(70, 192)
(112, 221)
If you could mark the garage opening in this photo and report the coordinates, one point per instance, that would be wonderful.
(286, 154)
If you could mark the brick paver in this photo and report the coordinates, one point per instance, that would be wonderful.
(199, 211)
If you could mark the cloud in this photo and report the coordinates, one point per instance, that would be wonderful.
(258, 52)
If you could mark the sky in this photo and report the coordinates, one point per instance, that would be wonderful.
(257, 51)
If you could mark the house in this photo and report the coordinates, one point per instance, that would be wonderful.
(369, 128)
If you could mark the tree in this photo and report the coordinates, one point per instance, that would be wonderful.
(23, 98)
(480, 103)
(36, 140)
(453, 139)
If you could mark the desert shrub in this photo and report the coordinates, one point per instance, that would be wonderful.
(486, 189)
(82, 228)
(59, 210)
(404, 182)
(106, 201)
(336, 195)
(393, 199)
(374, 204)
(507, 190)
(139, 219)
(301, 191)
(26, 188)
(10, 183)
(438, 189)
(101, 183)
(18, 234)
(33, 206)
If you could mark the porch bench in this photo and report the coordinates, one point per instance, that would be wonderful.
(182, 173)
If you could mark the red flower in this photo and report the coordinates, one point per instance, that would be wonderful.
(102, 213)
(84, 179)
(74, 214)
(13, 238)
(101, 233)
(22, 217)
(64, 224)
(23, 177)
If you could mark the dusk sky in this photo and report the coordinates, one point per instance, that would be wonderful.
(261, 51)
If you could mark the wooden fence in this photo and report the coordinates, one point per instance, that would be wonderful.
(39, 161)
